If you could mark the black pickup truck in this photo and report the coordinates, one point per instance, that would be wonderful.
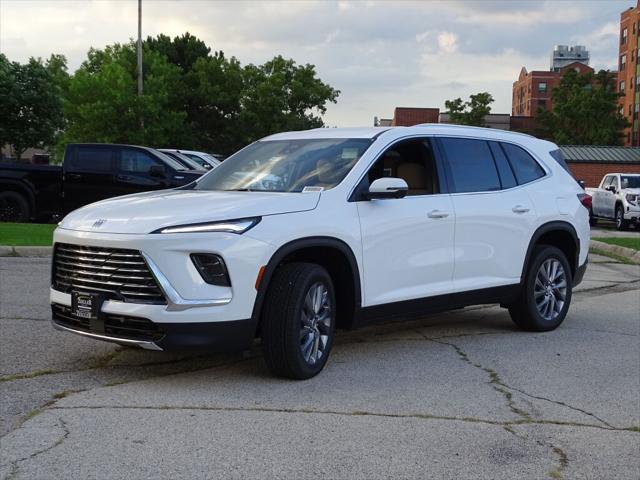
(90, 172)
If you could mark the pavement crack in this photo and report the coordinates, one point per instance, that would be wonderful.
(563, 462)
(494, 379)
(355, 413)
(15, 464)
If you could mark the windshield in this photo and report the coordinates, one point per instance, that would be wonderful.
(286, 165)
(186, 161)
(170, 161)
(630, 181)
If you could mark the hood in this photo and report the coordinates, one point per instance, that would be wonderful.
(632, 191)
(145, 212)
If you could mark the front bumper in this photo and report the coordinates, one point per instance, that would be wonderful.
(197, 315)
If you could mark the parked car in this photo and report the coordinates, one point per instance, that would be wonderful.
(185, 161)
(354, 226)
(204, 159)
(617, 198)
(90, 172)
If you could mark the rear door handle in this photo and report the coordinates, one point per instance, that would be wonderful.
(123, 177)
(520, 209)
(73, 176)
(437, 214)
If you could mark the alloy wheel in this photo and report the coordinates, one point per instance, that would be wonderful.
(550, 291)
(315, 326)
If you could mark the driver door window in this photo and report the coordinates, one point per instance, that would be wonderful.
(136, 161)
(411, 160)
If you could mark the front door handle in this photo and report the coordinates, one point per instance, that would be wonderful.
(124, 178)
(520, 209)
(437, 214)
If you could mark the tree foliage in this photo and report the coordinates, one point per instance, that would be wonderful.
(193, 98)
(31, 102)
(585, 111)
(471, 112)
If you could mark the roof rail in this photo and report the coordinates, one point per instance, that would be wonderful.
(454, 125)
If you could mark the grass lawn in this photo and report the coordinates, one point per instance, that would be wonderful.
(622, 242)
(26, 234)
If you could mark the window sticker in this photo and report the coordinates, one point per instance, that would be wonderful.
(349, 153)
(312, 189)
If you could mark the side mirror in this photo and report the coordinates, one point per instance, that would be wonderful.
(387, 187)
(157, 171)
(611, 188)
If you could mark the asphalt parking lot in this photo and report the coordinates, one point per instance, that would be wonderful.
(460, 395)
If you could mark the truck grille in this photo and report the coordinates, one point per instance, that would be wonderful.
(117, 326)
(121, 274)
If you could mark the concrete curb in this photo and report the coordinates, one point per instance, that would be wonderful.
(629, 253)
(40, 252)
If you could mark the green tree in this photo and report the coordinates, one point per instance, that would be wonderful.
(102, 104)
(471, 112)
(31, 105)
(585, 111)
(182, 51)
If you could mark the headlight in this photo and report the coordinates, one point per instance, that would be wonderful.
(632, 198)
(228, 226)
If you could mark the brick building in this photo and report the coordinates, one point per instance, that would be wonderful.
(629, 71)
(532, 90)
(591, 163)
(408, 116)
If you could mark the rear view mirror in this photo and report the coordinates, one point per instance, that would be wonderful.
(156, 171)
(387, 187)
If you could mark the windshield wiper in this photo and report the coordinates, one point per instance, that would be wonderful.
(239, 190)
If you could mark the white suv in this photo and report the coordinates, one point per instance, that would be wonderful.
(301, 233)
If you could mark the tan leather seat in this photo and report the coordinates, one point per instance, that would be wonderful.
(416, 177)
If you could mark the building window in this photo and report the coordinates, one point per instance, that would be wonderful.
(542, 104)
(623, 37)
(621, 87)
(623, 62)
(542, 87)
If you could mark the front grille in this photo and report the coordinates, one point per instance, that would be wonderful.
(119, 326)
(121, 274)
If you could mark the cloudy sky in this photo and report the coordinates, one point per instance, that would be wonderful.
(379, 54)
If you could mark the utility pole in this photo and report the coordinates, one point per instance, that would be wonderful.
(140, 47)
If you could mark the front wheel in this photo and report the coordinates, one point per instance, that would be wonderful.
(621, 223)
(13, 207)
(298, 323)
(546, 293)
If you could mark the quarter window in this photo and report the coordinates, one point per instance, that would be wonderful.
(471, 166)
(524, 166)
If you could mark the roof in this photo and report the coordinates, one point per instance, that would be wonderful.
(358, 132)
(600, 154)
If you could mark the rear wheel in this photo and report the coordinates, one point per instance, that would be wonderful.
(298, 321)
(13, 207)
(621, 223)
(546, 293)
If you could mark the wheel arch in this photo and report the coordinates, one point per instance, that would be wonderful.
(339, 260)
(559, 234)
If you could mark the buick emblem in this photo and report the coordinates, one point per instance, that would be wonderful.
(98, 223)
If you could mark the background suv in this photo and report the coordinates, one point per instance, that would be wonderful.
(304, 232)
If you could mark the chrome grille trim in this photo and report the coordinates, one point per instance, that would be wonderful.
(122, 274)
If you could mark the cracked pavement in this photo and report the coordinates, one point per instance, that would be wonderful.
(457, 395)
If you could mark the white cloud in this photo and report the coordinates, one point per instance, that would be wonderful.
(448, 42)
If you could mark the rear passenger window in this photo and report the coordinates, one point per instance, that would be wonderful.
(93, 159)
(524, 166)
(504, 170)
(471, 166)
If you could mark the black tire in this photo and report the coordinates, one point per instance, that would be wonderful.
(593, 221)
(621, 223)
(14, 207)
(525, 311)
(282, 321)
